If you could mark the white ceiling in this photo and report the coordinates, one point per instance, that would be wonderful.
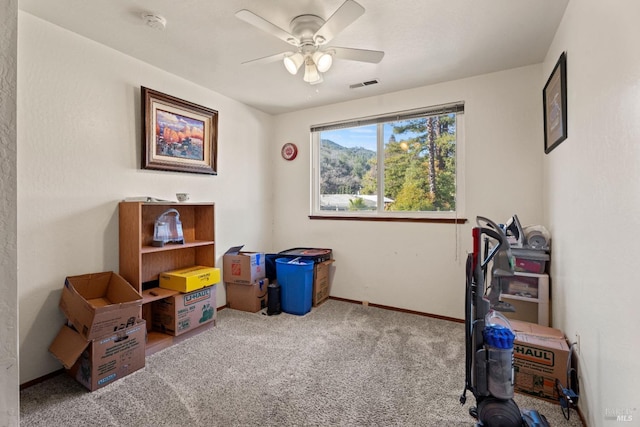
(425, 42)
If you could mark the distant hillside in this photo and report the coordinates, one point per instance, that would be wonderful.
(342, 168)
(331, 147)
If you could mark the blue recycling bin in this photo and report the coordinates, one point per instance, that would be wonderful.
(295, 277)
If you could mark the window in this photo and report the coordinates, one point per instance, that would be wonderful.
(400, 165)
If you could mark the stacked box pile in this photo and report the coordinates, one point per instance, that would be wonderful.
(193, 307)
(103, 340)
(244, 275)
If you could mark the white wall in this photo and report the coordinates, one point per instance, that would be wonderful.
(420, 266)
(592, 203)
(9, 397)
(78, 155)
(79, 139)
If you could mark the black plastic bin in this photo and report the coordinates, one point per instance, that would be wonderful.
(317, 255)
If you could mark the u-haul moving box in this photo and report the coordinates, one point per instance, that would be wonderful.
(99, 362)
(183, 312)
(540, 356)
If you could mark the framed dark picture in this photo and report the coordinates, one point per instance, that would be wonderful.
(178, 135)
(554, 100)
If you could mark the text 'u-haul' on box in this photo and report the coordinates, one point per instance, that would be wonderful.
(180, 313)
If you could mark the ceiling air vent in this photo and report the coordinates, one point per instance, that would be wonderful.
(363, 84)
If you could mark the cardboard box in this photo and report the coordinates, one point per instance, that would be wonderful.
(189, 279)
(99, 362)
(181, 313)
(540, 356)
(321, 281)
(99, 304)
(250, 298)
(243, 267)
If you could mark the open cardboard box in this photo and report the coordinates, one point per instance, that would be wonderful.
(243, 267)
(99, 304)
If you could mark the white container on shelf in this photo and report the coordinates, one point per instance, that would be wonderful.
(529, 294)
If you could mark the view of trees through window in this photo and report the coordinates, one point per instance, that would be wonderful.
(418, 157)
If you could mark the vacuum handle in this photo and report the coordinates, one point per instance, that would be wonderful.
(493, 230)
(496, 233)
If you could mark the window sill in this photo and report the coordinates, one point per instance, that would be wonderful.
(389, 219)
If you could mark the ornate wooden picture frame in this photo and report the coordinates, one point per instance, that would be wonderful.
(178, 135)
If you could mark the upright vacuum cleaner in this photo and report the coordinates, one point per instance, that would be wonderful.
(489, 345)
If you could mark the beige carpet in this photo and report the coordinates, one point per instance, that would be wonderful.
(342, 364)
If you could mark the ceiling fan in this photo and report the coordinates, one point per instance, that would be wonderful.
(310, 34)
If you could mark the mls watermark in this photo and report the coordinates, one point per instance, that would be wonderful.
(620, 414)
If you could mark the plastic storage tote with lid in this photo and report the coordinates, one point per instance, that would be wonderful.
(317, 255)
(530, 260)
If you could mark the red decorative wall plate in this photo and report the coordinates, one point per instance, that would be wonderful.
(289, 151)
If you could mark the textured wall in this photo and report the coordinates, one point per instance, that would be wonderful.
(9, 397)
(80, 132)
(592, 202)
(420, 266)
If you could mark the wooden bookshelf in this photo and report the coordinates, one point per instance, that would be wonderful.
(141, 263)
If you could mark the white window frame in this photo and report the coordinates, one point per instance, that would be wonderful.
(380, 213)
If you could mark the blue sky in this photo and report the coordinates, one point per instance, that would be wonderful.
(363, 136)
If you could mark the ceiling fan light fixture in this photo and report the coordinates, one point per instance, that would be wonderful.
(323, 61)
(320, 80)
(311, 74)
(293, 62)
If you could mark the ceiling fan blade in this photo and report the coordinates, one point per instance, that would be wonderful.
(269, 59)
(266, 26)
(341, 19)
(362, 55)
